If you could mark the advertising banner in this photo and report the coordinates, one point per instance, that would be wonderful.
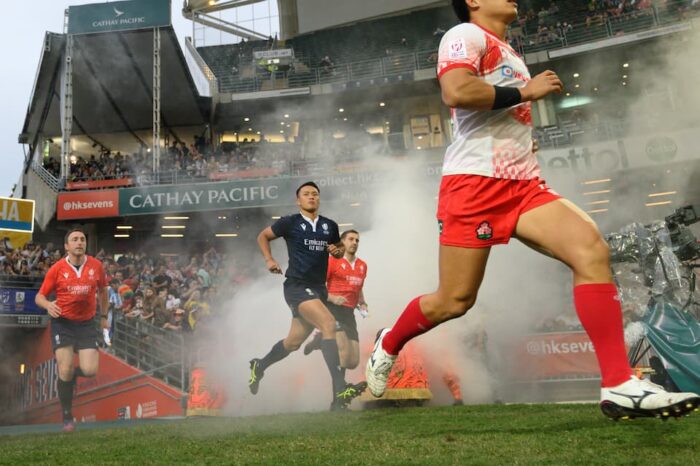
(87, 204)
(622, 154)
(118, 16)
(19, 301)
(16, 215)
(118, 391)
(101, 184)
(555, 355)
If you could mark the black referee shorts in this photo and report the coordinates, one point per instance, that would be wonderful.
(297, 292)
(345, 320)
(78, 334)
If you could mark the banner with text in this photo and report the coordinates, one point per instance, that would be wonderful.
(555, 355)
(118, 391)
(16, 215)
(118, 16)
(19, 301)
(622, 154)
(87, 204)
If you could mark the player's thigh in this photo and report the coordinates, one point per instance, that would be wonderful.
(89, 360)
(317, 314)
(461, 273)
(559, 229)
(64, 359)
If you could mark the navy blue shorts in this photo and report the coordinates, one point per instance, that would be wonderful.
(79, 335)
(297, 292)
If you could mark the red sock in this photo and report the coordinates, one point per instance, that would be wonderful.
(409, 325)
(598, 308)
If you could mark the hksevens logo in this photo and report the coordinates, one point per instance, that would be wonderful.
(117, 12)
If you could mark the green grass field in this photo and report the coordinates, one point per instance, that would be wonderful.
(487, 434)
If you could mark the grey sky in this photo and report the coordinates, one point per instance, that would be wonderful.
(22, 34)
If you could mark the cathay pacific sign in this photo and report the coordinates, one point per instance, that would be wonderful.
(118, 16)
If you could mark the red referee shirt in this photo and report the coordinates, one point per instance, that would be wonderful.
(75, 289)
(345, 279)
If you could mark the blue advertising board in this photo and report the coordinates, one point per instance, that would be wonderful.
(19, 301)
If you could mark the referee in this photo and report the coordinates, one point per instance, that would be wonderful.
(310, 238)
(76, 280)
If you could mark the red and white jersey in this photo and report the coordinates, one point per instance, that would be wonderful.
(493, 143)
(75, 289)
(346, 279)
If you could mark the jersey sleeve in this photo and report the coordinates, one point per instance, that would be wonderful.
(335, 233)
(281, 227)
(49, 283)
(463, 46)
(102, 281)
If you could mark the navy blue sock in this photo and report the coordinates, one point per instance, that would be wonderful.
(277, 353)
(329, 348)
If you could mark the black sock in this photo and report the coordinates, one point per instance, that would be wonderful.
(329, 348)
(342, 372)
(277, 353)
(65, 396)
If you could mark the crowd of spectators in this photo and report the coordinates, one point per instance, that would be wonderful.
(551, 21)
(180, 161)
(176, 293)
(32, 260)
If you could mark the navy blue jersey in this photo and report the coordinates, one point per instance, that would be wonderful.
(306, 246)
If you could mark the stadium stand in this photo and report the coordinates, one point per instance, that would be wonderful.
(407, 42)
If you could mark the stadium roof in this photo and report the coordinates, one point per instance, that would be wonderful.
(112, 86)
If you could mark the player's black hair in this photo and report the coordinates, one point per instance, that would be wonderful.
(347, 232)
(308, 183)
(73, 230)
(461, 10)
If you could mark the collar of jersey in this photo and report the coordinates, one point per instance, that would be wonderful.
(492, 34)
(78, 270)
(351, 264)
(312, 222)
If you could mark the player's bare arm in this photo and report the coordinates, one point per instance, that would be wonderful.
(462, 89)
(336, 250)
(336, 299)
(264, 239)
(50, 306)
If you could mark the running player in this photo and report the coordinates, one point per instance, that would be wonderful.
(310, 238)
(345, 279)
(76, 281)
(491, 191)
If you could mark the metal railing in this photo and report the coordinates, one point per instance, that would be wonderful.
(50, 180)
(162, 353)
(610, 27)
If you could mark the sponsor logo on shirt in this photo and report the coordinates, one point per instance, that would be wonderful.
(509, 72)
(303, 226)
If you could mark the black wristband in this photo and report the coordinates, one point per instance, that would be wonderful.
(506, 97)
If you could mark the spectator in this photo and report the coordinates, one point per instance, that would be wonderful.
(175, 323)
